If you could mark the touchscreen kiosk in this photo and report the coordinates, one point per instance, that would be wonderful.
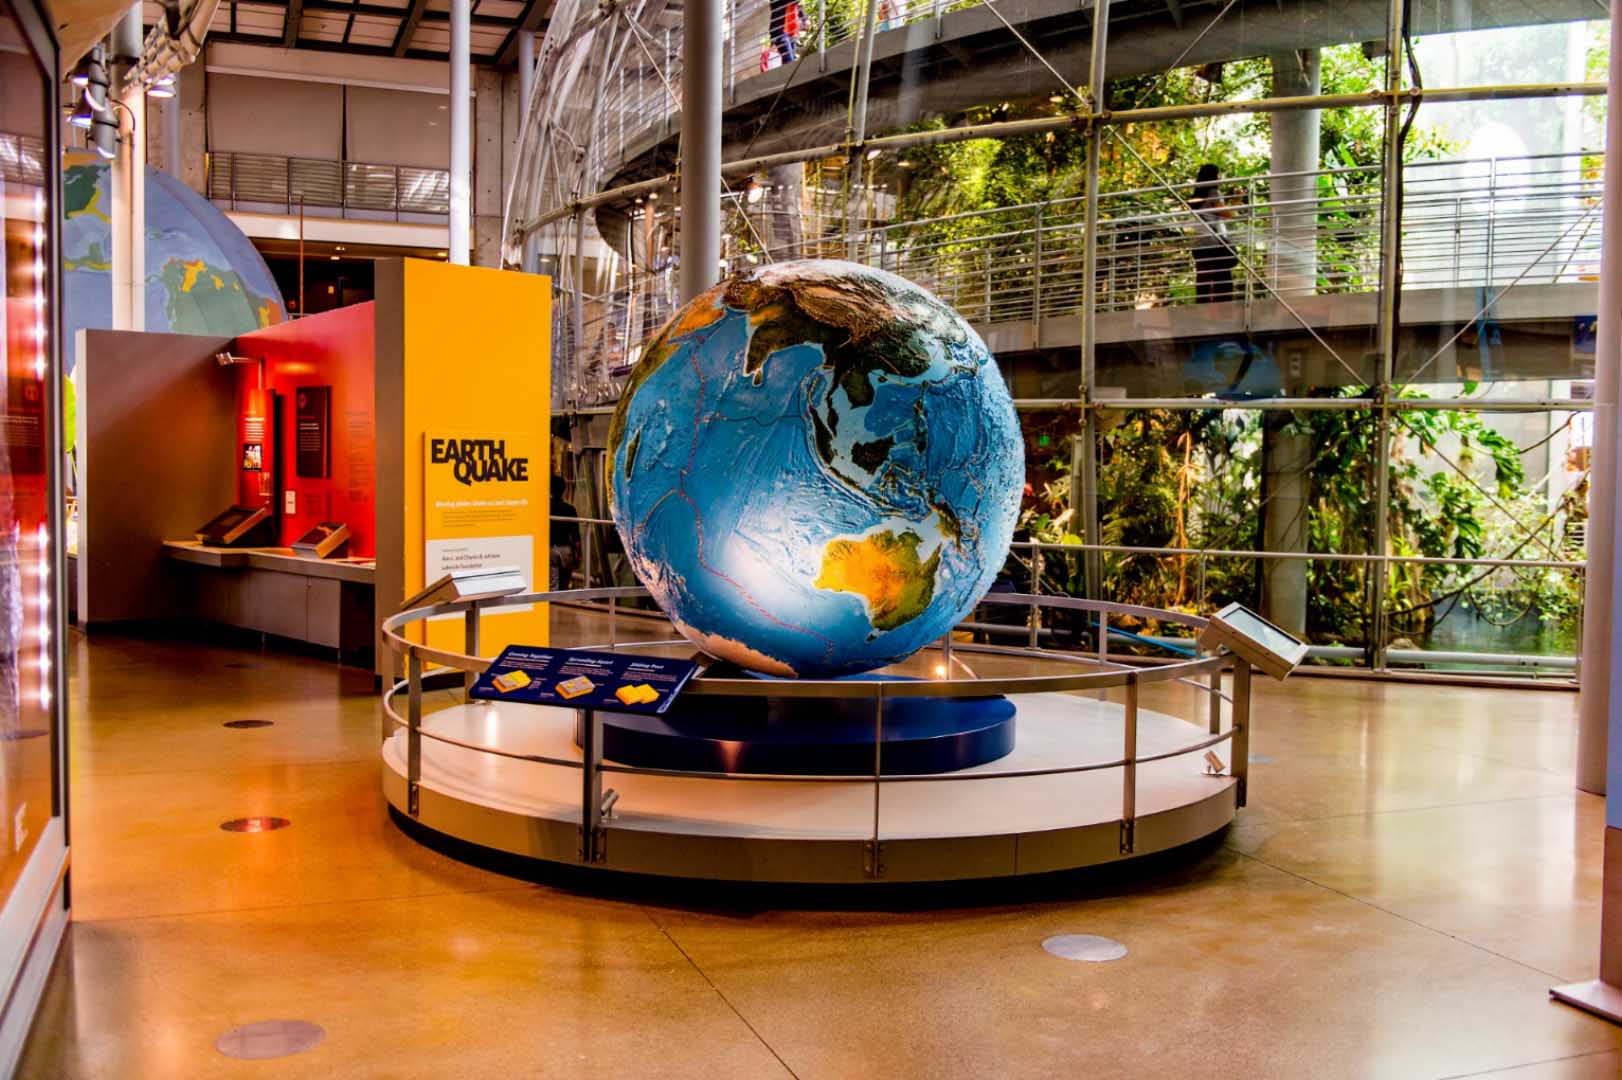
(1249, 635)
(325, 539)
(240, 526)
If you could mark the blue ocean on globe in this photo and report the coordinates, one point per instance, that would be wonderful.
(203, 276)
(816, 469)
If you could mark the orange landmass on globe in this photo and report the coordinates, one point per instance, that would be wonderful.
(885, 571)
(694, 317)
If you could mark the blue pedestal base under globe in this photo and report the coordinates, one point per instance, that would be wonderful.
(812, 736)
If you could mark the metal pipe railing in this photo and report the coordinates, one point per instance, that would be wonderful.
(592, 831)
(1024, 263)
(349, 187)
(1038, 552)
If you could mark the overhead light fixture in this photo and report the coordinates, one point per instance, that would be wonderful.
(162, 88)
(83, 116)
(104, 135)
(871, 154)
(335, 258)
(96, 84)
(82, 71)
(1057, 99)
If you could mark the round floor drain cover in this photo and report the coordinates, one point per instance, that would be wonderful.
(269, 1039)
(240, 724)
(255, 824)
(1089, 947)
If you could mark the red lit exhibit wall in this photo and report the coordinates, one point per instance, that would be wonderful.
(331, 351)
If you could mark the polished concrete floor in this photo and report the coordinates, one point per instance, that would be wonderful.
(1413, 873)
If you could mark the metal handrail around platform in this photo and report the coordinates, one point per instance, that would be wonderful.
(592, 766)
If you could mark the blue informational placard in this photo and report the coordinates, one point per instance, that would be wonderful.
(581, 679)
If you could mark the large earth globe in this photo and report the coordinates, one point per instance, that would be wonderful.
(815, 469)
(203, 276)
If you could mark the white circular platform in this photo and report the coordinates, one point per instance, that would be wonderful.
(797, 831)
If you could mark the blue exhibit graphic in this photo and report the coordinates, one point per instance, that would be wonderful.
(815, 469)
(583, 679)
(202, 274)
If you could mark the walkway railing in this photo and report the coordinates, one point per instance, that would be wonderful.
(1203, 673)
(1481, 224)
(353, 188)
(1034, 565)
(642, 93)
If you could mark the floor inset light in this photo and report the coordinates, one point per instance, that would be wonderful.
(257, 824)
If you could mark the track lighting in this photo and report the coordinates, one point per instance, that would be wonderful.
(104, 136)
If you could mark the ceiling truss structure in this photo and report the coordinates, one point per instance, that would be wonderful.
(413, 29)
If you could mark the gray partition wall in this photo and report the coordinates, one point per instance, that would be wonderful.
(156, 444)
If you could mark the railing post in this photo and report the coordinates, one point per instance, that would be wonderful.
(413, 729)
(1036, 284)
(470, 642)
(1492, 219)
(731, 51)
(1036, 590)
(1103, 637)
(675, 79)
(822, 35)
(1129, 771)
(1241, 726)
(1215, 704)
(613, 616)
(585, 556)
(873, 855)
(1458, 231)
(591, 786)
(988, 283)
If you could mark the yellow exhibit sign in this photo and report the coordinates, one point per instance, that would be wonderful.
(483, 505)
(463, 448)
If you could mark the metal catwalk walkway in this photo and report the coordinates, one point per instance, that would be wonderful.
(933, 57)
(1500, 241)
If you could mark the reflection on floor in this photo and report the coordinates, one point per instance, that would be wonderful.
(1414, 871)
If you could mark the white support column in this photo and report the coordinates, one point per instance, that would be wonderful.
(526, 73)
(461, 132)
(127, 184)
(1599, 734)
(1294, 232)
(530, 260)
(700, 162)
(171, 128)
(1596, 705)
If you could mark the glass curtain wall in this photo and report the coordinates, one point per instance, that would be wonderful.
(1297, 302)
